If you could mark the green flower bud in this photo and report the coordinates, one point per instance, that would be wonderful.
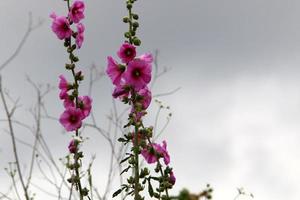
(66, 43)
(136, 41)
(75, 59)
(74, 46)
(132, 33)
(129, 6)
(135, 24)
(135, 16)
(127, 34)
(126, 19)
(70, 66)
(69, 50)
(85, 191)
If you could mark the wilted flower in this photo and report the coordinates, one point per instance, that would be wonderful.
(146, 96)
(172, 178)
(152, 154)
(80, 36)
(76, 11)
(147, 57)
(73, 146)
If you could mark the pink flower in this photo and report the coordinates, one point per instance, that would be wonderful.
(138, 73)
(64, 86)
(120, 91)
(146, 95)
(63, 83)
(85, 104)
(147, 57)
(114, 70)
(126, 52)
(163, 151)
(73, 146)
(71, 118)
(63, 94)
(137, 116)
(152, 155)
(149, 155)
(172, 178)
(68, 102)
(80, 36)
(60, 26)
(76, 11)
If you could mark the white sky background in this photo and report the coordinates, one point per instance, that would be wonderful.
(236, 118)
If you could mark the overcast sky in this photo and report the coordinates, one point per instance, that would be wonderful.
(236, 117)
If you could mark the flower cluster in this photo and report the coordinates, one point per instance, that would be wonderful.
(76, 108)
(131, 77)
(61, 25)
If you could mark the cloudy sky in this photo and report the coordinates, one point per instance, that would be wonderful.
(236, 117)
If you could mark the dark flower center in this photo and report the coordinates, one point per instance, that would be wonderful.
(65, 27)
(128, 52)
(136, 73)
(73, 119)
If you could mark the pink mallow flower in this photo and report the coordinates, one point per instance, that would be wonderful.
(61, 26)
(71, 118)
(120, 91)
(138, 74)
(85, 104)
(63, 86)
(80, 36)
(126, 52)
(172, 178)
(146, 95)
(114, 70)
(159, 151)
(76, 11)
(63, 83)
(147, 57)
(68, 102)
(73, 146)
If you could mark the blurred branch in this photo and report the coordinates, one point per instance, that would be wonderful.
(31, 27)
(9, 114)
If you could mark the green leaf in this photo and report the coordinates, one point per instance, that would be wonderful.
(150, 188)
(116, 193)
(125, 170)
(125, 159)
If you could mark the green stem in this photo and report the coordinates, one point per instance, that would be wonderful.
(130, 25)
(76, 159)
(136, 164)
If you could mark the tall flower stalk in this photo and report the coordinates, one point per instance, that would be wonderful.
(77, 108)
(131, 78)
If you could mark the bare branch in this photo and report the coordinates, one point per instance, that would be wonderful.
(30, 28)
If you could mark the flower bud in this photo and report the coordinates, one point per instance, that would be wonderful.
(129, 6)
(127, 34)
(135, 24)
(136, 41)
(135, 16)
(126, 19)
